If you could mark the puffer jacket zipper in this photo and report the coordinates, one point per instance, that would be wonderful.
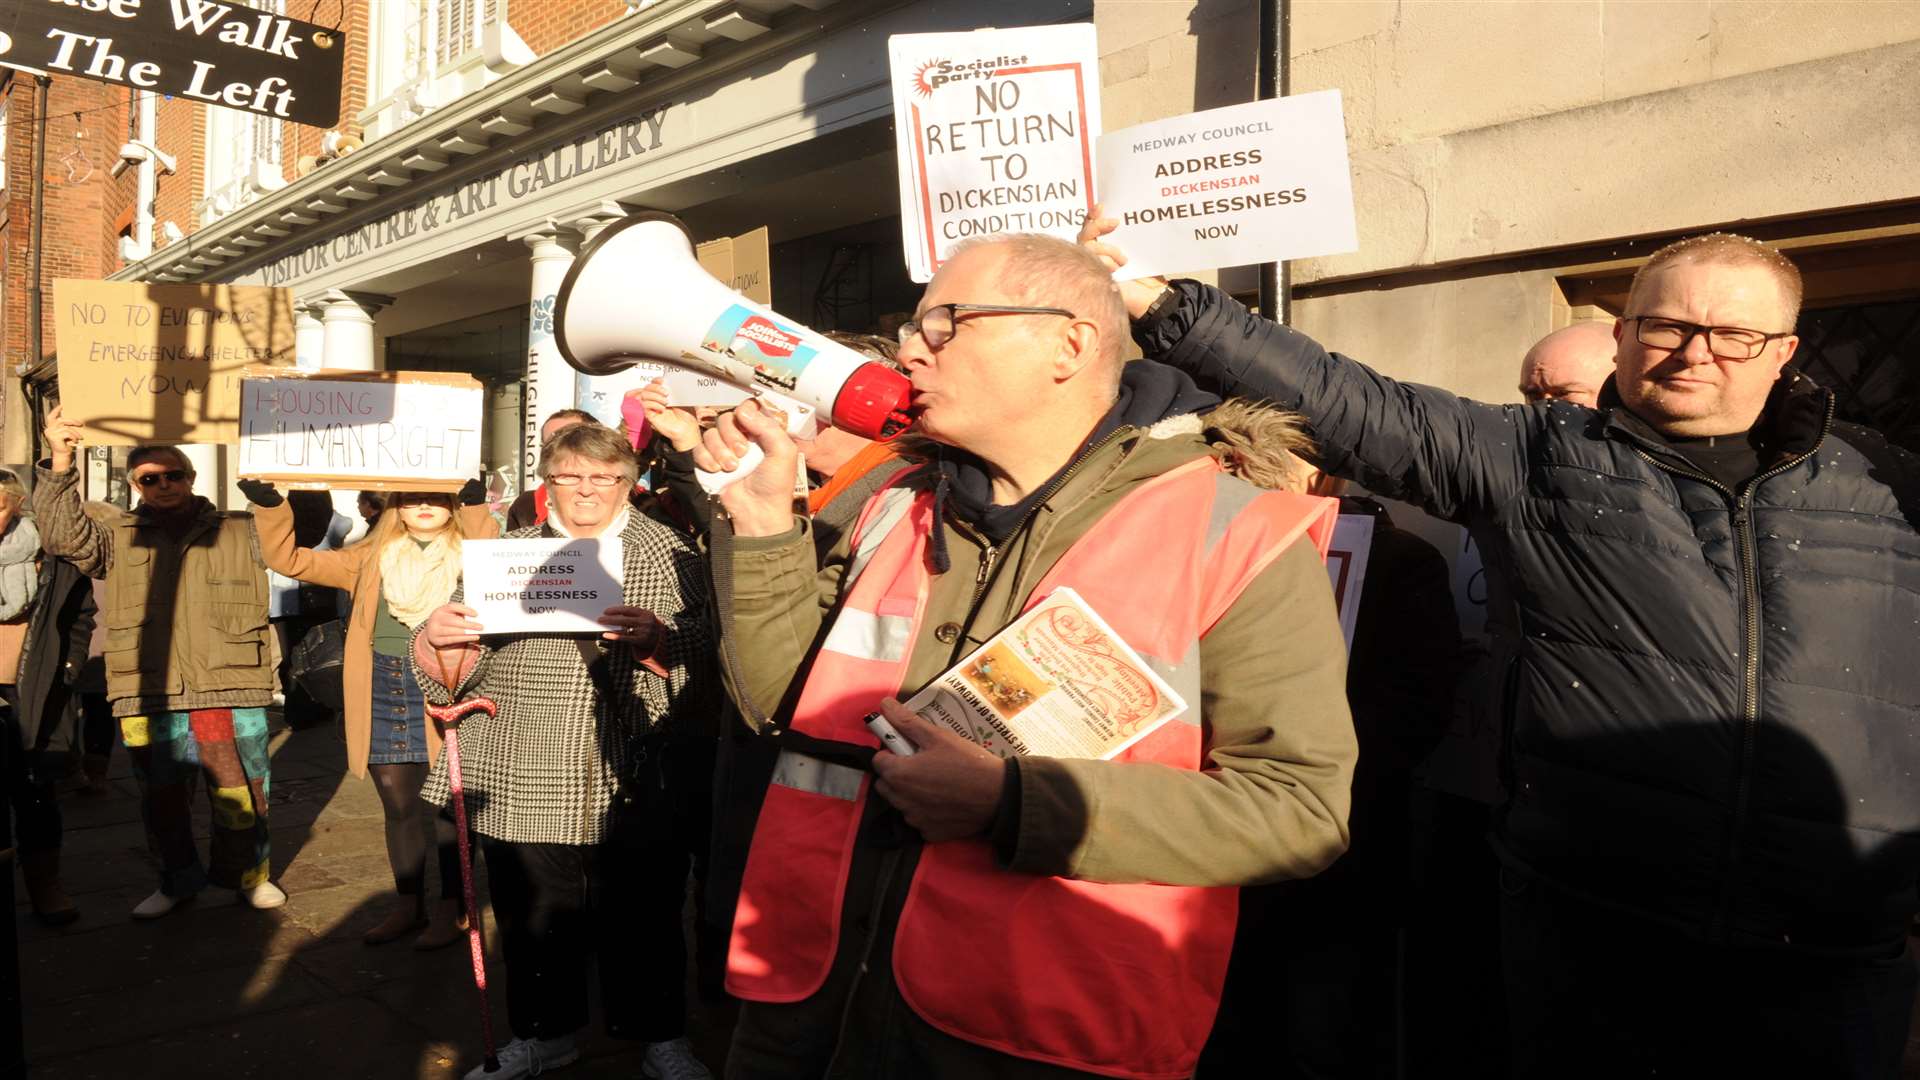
(1746, 559)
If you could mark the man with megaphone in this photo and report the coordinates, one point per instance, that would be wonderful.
(1036, 916)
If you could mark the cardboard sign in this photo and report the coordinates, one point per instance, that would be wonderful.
(219, 52)
(540, 586)
(995, 133)
(1347, 566)
(143, 363)
(1261, 182)
(365, 430)
(743, 261)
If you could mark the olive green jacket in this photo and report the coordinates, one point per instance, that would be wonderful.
(1272, 800)
(186, 615)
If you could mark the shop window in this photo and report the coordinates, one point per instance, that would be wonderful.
(243, 153)
(1869, 355)
(461, 23)
(426, 53)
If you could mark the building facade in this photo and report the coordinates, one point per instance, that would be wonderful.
(1512, 164)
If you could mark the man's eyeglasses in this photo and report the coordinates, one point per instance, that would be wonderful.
(1725, 342)
(935, 325)
(599, 480)
(171, 476)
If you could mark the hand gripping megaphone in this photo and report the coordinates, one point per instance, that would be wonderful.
(635, 293)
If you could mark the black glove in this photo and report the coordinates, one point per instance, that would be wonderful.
(260, 493)
(473, 493)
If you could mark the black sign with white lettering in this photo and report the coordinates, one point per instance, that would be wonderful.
(221, 52)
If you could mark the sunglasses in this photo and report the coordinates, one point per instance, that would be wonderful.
(171, 476)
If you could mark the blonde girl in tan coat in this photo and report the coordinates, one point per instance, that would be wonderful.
(408, 565)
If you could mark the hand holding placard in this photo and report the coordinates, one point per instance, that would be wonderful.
(63, 438)
(1138, 293)
(1261, 182)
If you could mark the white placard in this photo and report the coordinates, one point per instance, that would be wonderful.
(540, 586)
(1261, 182)
(368, 433)
(1347, 566)
(995, 133)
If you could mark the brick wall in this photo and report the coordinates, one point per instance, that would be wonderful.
(83, 205)
(546, 25)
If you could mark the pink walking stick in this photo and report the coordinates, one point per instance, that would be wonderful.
(449, 717)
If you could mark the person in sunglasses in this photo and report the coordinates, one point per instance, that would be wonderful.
(189, 669)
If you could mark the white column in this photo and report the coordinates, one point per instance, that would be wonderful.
(549, 379)
(600, 394)
(346, 336)
(347, 328)
(309, 335)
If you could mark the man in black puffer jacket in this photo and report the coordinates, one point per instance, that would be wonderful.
(1705, 596)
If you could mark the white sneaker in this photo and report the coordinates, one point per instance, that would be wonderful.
(673, 1060)
(529, 1057)
(157, 905)
(264, 895)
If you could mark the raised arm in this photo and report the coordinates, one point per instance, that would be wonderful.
(1451, 456)
(65, 529)
(273, 520)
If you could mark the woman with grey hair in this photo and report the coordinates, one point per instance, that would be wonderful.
(564, 783)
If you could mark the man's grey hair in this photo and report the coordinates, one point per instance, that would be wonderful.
(590, 442)
(1046, 271)
(140, 455)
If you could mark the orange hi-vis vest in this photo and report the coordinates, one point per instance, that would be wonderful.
(1122, 980)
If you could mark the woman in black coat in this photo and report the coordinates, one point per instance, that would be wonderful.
(50, 663)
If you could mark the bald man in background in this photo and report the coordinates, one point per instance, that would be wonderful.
(1570, 364)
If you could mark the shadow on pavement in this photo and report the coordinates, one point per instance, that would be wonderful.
(217, 989)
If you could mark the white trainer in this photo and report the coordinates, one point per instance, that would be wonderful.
(264, 895)
(673, 1060)
(157, 905)
(529, 1057)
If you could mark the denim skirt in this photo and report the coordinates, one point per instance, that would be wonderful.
(399, 733)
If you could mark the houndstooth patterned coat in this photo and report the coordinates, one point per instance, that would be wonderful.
(547, 768)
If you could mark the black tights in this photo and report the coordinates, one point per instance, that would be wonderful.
(408, 817)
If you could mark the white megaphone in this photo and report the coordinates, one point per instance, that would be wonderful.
(635, 293)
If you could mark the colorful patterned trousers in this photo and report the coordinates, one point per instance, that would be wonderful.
(169, 752)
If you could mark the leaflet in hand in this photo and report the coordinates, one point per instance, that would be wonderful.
(1057, 682)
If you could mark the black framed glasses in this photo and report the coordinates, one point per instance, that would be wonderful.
(1725, 342)
(935, 325)
(171, 476)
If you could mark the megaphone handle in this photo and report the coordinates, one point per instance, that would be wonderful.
(713, 482)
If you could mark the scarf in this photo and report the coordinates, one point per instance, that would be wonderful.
(415, 578)
(19, 577)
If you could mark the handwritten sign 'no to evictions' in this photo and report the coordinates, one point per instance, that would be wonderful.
(144, 363)
(996, 131)
(371, 430)
(1260, 182)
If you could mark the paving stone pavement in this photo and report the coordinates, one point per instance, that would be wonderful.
(217, 989)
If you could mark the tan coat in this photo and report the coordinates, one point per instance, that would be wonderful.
(186, 615)
(356, 569)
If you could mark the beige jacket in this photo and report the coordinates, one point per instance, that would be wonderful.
(356, 569)
(186, 615)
